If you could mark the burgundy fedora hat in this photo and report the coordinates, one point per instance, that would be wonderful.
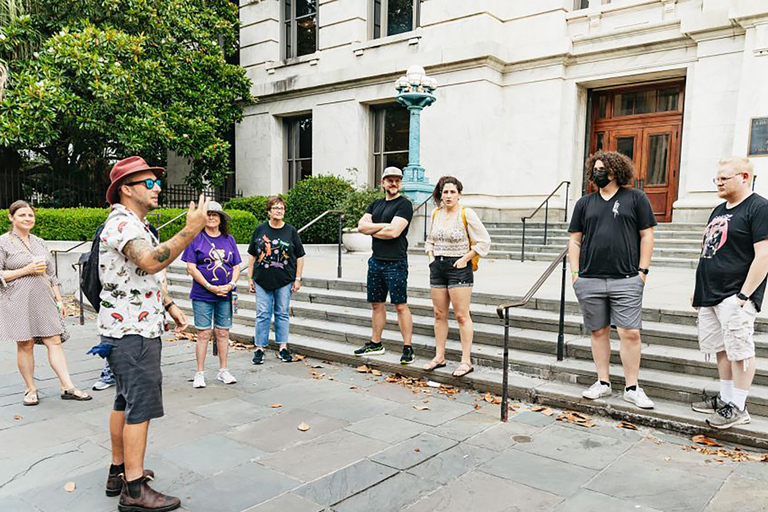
(126, 167)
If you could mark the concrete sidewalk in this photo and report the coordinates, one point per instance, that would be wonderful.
(372, 446)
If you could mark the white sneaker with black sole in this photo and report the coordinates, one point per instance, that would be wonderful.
(638, 397)
(597, 390)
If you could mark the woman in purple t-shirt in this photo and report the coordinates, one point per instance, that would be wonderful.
(213, 261)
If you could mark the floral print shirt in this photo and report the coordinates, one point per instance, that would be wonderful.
(131, 300)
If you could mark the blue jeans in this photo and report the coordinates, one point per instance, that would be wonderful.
(218, 314)
(269, 302)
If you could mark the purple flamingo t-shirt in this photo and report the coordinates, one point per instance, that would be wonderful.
(216, 258)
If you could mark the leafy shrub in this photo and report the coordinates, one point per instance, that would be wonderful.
(355, 204)
(257, 205)
(311, 197)
(79, 224)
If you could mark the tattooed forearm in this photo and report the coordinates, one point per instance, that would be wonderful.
(136, 250)
(161, 253)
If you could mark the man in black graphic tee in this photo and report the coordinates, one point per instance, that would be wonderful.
(610, 252)
(730, 285)
(387, 221)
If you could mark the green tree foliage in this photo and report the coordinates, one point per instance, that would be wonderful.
(111, 78)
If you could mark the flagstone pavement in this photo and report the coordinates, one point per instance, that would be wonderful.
(371, 446)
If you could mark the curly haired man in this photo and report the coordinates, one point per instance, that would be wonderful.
(610, 251)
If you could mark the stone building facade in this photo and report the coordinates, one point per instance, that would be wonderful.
(527, 88)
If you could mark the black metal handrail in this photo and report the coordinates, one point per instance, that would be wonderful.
(423, 203)
(340, 213)
(503, 311)
(545, 204)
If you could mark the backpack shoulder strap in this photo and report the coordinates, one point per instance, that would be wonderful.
(466, 226)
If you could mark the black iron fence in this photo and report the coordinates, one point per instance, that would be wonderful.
(179, 196)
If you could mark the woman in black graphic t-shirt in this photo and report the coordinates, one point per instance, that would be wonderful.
(274, 272)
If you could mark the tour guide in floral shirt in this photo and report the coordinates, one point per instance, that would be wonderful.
(131, 320)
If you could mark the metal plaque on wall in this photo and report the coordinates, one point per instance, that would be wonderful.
(758, 137)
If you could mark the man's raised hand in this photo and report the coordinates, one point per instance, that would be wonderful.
(197, 216)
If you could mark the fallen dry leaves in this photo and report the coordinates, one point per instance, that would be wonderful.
(299, 357)
(547, 411)
(363, 369)
(185, 336)
(376, 373)
(69, 486)
(421, 407)
(627, 425)
(577, 418)
(275, 406)
(303, 427)
(18, 417)
(702, 439)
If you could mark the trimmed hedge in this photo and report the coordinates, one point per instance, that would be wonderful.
(81, 223)
(356, 203)
(256, 205)
(311, 197)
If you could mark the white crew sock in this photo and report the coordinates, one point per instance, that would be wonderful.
(740, 398)
(726, 390)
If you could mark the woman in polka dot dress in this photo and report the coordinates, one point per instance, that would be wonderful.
(31, 309)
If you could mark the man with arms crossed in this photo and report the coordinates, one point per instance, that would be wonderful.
(131, 320)
(610, 251)
(387, 221)
(730, 284)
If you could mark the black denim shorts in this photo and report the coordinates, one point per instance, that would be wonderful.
(442, 273)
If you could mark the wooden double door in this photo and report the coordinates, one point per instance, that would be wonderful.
(650, 139)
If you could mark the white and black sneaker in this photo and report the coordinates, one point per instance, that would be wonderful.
(370, 349)
(258, 356)
(709, 405)
(285, 355)
(638, 397)
(597, 390)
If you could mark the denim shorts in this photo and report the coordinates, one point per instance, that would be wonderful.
(387, 277)
(442, 273)
(217, 314)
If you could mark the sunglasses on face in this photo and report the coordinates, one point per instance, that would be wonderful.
(149, 183)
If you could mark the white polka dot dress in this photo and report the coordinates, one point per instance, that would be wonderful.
(27, 305)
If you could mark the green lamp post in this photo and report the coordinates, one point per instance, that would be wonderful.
(414, 92)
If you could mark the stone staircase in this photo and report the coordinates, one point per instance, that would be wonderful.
(330, 318)
(676, 244)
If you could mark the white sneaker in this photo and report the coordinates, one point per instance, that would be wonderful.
(199, 380)
(597, 390)
(226, 377)
(638, 397)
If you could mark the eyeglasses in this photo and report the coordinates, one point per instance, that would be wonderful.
(277, 209)
(149, 183)
(722, 179)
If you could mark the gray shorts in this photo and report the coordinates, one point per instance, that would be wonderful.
(605, 302)
(135, 361)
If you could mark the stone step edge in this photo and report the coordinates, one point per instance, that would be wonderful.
(667, 415)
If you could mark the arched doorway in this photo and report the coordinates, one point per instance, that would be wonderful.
(643, 122)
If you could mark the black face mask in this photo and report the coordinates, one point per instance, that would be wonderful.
(601, 178)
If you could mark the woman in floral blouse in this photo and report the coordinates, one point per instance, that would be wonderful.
(31, 309)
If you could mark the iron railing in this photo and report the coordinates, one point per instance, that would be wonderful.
(545, 204)
(426, 209)
(503, 311)
(179, 196)
(340, 213)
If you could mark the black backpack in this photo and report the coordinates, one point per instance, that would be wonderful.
(90, 283)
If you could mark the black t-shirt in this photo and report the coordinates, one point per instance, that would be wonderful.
(727, 251)
(610, 246)
(276, 252)
(384, 211)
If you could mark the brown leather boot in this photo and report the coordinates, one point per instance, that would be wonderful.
(149, 500)
(115, 482)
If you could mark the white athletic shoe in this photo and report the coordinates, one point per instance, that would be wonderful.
(226, 377)
(639, 398)
(199, 380)
(597, 390)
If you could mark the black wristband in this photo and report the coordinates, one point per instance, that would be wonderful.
(643, 270)
(741, 296)
(169, 305)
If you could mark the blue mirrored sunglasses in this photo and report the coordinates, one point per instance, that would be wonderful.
(149, 183)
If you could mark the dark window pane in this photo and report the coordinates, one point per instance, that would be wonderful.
(602, 105)
(376, 19)
(305, 137)
(396, 124)
(304, 7)
(600, 139)
(400, 16)
(658, 150)
(626, 146)
(624, 104)
(645, 102)
(667, 100)
(632, 103)
(399, 160)
(306, 36)
(304, 169)
(287, 10)
(290, 131)
(288, 39)
(378, 123)
(582, 4)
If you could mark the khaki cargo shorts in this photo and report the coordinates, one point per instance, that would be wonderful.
(728, 327)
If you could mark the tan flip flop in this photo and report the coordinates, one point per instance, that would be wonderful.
(463, 369)
(433, 365)
(31, 398)
(75, 394)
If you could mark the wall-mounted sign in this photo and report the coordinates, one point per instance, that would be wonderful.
(758, 137)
